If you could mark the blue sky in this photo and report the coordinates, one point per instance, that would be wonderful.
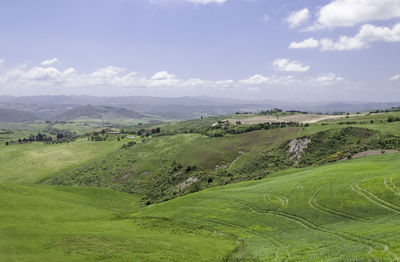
(253, 49)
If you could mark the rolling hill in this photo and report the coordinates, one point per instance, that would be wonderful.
(98, 112)
(12, 115)
(346, 211)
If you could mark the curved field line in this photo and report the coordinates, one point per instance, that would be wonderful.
(278, 245)
(391, 186)
(374, 199)
(284, 200)
(307, 224)
(330, 211)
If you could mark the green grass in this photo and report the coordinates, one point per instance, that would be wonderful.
(13, 131)
(32, 162)
(347, 211)
(39, 223)
(339, 212)
(379, 123)
(154, 168)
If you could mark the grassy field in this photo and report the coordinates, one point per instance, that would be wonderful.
(40, 223)
(32, 162)
(346, 211)
(156, 166)
(379, 122)
(9, 131)
(342, 212)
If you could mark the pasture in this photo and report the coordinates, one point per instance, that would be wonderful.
(33, 162)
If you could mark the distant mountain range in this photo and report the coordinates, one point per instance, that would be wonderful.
(12, 115)
(98, 112)
(71, 107)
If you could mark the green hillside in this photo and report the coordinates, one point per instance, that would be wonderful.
(180, 195)
(340, 212)
(13, 115)
(87, 224)
(98, 112)
(165, 167)
(30, 163)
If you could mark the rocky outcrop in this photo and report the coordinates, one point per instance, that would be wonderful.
(297, 147)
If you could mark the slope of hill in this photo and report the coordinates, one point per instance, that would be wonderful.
(98, 112)
(346, 211)
(12, 115)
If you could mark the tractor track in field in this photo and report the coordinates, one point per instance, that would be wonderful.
(373, 244)
(282, 199)
(330, 211)
(375, 199)
(391, 186)
(278, 244)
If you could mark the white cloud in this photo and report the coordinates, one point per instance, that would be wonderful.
(395, 77)
(327, 79)
(345, 13)
(296, 18)
(163, 75)
(283, 64)
(366, 35)
(113, 80)
(1, 61)
(255, 80)
(308, 43)
(49, 62)
(42, 73)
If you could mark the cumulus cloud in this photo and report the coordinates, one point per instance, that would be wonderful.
(395, 77)
(307, 43)
(163, 75)
(283, 64)
(49, 62)
(1, 61)
(296, 18)
(345, 13)
(255, 80)
(366, 35)
(114, 80)
(326, 79)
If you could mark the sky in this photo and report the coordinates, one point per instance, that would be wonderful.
(295, 50)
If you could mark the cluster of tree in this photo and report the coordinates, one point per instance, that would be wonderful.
(98, 136)
(393, 119)
(128, 145)
(39, 137)
(148, 132)
(219, 131)
(297, 111)
(272, 111)
(393, 109)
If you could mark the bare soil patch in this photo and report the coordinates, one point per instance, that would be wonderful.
(299, 118)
